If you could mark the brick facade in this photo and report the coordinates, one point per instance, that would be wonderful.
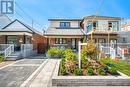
(2, 39)
(40, 43)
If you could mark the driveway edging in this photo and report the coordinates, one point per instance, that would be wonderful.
(27, 82)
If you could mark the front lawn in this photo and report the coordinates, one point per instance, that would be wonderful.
(120, 65)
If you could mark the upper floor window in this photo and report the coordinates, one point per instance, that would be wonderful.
(113, 25)
(64, 24)
(91, 25)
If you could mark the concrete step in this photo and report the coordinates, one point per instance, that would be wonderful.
(14, 56)
(12, 59)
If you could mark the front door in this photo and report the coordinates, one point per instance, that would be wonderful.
(13, 40)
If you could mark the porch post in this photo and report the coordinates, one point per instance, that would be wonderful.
(79, 52)
(24, 39)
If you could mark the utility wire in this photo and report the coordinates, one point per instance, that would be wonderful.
(25, 13)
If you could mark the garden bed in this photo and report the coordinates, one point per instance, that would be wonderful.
(57, 80)
(93, 70)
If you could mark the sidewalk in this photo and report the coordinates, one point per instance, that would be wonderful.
(44, 77)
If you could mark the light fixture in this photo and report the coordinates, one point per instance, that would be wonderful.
(20, 40)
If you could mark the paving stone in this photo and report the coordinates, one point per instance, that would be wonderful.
(16, 74)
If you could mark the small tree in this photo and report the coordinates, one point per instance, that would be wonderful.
(90, 50)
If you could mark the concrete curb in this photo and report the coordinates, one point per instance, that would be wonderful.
(27, 82)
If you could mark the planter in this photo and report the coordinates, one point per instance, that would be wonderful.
(121, 80)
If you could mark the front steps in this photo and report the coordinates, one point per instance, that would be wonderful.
(14, 56)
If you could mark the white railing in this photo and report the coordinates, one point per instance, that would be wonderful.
(105, 49)
(4, 46)
(108, 50)
(112, 53)
(26, 49)
(60, 46)
(121, 53)
(9, 50)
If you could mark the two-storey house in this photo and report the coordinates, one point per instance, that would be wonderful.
(102, 29)
(64, 33)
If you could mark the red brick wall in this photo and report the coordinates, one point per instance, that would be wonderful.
(40, 43)
(2, 39)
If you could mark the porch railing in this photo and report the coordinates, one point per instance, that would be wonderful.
(112, 53)
(61, 46)
(9, 50)
(3, 47)
(6, 49)
(121, 53)
(26, 49)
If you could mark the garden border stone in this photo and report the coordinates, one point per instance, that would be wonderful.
(57, 80)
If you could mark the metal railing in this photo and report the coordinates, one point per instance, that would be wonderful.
(6, 49)
(120, 52)
(9, 50)
(26, 49)
(4, 46)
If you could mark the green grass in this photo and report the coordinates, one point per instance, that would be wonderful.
(121, 66)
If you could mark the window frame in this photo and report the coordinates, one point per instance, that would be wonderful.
(60, 40)
(64, 24)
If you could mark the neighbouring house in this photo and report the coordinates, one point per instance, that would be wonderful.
(125, 25)
(23, 37)
(64, 33)
(105, 28)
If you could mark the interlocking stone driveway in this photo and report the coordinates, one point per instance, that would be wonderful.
(16, 74)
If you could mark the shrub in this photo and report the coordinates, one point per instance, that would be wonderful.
(113, 71)
(1, 57)
(70, 55)
(90, 71)
(55, 52)
(90, 50)
(63, 70)
(84, 61)
(77, 71)
(107, 61)
(101, 71)
(70, 65)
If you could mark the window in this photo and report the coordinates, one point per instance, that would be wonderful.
(60, 41)
(64, 24)
(113, 25)
(92, 26)
(124, 39)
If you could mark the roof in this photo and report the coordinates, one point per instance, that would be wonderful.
(64, 19)
(104, 17)
(18, 26)
(64, 32)
(4, 20)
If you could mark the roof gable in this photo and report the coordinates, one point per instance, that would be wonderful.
(16, 25)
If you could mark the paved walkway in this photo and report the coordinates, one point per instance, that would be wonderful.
(44, 77)
(14, 75)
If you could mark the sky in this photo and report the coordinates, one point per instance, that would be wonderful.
(42, 10)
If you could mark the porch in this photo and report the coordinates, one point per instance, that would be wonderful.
(16, 40)
(103, 37)
(9, 52)
(119, 50)
(64, 43)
